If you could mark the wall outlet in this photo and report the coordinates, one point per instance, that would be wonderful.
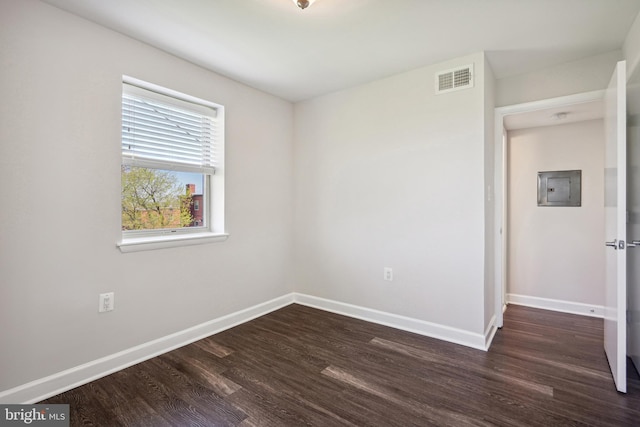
(106, 302)
(388, 274)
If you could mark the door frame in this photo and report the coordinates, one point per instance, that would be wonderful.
(500, 182)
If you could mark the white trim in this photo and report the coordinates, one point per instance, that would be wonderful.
(557, 305)
(149, 243)
(544, 104)
(163, 92)
(500, 213)
(60, 382)
(490, 332)
(421, 327)
(500, 183)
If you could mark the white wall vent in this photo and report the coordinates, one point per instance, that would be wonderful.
(454, 79)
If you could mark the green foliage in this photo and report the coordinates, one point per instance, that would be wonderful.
(153, 199)
(186, 202)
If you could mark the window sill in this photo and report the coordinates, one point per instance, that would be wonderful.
(138, 244)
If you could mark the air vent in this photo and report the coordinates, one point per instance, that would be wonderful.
(454, 79)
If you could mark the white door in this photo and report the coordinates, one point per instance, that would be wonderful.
(633, 224)
(615, 327)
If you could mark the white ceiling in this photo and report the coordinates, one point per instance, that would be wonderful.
(334, 44)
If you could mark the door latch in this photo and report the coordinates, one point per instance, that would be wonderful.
(633, 243)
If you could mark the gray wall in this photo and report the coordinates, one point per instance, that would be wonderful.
(60, 192)
(389, 174)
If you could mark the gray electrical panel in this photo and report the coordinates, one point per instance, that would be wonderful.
(560, 188)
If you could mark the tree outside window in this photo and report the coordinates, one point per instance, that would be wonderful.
(155, 199)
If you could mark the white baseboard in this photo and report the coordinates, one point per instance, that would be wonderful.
(434, 330)
(557, 305)
(490, 332)
(51, 385)
(60, 382)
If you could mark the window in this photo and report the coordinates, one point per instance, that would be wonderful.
(171, 174)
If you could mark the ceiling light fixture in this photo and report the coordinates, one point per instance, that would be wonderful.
(561, 115)
(303, 4)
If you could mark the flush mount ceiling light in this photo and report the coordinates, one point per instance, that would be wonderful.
(560, 116)
(303, 4)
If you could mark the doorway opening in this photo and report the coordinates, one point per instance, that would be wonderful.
(562, 110)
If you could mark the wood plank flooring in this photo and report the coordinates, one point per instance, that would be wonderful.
(304, 367)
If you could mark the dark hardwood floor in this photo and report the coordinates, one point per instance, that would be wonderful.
(300, 366)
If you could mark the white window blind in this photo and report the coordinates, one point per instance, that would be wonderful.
(161, 131)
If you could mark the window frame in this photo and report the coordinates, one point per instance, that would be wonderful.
(213, 229)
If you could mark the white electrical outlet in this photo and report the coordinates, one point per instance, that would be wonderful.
(388, 274)
(106, 302)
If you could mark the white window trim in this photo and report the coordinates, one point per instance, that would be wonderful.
(149, 243)
(215, 230)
